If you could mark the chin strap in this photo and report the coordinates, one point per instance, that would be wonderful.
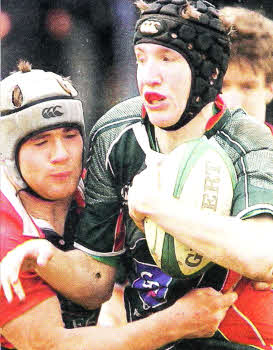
(219, 109)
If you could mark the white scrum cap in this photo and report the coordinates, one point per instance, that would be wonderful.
(32, 101)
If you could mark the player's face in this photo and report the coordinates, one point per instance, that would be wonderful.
(51, 162)
(246, 88)
(164, 82)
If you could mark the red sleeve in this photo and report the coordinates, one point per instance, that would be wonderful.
(36, 289)
(249, 320)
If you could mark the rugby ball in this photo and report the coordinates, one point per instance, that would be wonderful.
(201, 175)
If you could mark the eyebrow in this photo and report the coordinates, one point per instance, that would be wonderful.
(39, 136)
(46, 134)
(161, 50)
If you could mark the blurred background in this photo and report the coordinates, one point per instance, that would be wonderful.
(88, 40)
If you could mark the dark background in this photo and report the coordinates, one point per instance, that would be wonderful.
(88, 40)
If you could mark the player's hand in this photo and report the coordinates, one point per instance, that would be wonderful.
(24, 257)
(141, 194)
(204, 309)
(144, 194)
(262, 285)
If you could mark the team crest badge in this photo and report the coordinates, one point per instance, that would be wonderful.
(150, 27)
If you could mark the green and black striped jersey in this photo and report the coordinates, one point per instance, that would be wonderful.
(119, 144)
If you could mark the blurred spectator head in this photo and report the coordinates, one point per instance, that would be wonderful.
(249, 79)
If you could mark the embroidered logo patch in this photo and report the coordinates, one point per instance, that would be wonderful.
(150, 27)
(52, 112)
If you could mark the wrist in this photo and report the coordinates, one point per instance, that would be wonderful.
(168, 324)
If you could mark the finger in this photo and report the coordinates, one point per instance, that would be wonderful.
(44, 257)
(221, 314)
(18, 289)
(7, 290)
(133, 214)
(10, 282)
(207, 291)
(139, 223)
(13, 263)
(262, 286)
(229, 298)
(154, 159)
(153, 171)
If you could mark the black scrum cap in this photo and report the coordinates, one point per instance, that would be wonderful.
(194, 29)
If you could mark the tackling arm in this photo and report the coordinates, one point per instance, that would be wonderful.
(197, 314)
(74, 274)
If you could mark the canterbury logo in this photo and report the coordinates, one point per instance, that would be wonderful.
(52, 112)
(150, 27)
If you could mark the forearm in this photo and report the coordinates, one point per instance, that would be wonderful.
(78, 277)
(240, 245)
(145, 334)
(41, 328)
(196, 315)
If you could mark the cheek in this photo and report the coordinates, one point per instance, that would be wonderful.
(180, 80)
(24, 160)
(29, 165)
(78, 160)
(139, 80)
(181, 87)
(77, 154)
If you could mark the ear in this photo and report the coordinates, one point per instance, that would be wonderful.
(269, 93)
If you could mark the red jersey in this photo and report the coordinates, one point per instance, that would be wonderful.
(250, 320)
(17, 227)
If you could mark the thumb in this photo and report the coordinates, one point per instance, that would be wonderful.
(154, 159)
(262, 285)
(154, 165)
(44, 256)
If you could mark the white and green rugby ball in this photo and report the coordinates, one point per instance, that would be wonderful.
(201, 175)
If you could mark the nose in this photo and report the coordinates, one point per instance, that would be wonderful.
(59, 152)
(150, 74)
(233, 98)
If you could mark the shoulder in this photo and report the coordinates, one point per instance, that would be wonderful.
(10, 219)
(245, 133)
(16, 225)
(118, 117)
(11, 228)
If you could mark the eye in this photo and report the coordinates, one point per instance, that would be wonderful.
(170, 57)
(248, 87)
(72, 133)
(40, 143)
(165, 59)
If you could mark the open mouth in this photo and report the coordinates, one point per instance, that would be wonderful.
(154, 97)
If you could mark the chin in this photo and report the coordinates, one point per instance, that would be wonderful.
(161, 124)
(60, 195)
(162, 119)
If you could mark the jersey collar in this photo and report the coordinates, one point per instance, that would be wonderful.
(220, 116)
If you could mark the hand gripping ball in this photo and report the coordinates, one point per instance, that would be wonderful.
(200, 175)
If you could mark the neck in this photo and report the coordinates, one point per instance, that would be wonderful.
(169, 140)
(54, 212)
